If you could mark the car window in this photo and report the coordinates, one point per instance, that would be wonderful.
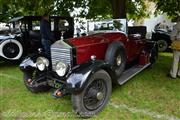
(35, 25)
(114, 25)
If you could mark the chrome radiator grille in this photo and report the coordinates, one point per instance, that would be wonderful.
(61, 51)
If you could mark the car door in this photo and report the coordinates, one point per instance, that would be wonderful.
(135, 46)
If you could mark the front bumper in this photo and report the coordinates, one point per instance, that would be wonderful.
(71, 83)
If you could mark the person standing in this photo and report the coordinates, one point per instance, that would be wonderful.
(46, 36)
(175, 37)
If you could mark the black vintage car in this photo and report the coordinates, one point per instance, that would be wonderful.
(163, 39)
(23, 36)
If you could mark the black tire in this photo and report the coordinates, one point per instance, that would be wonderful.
(90, 93)
(34, 89)
(114, 52)
(162, 45)
(11, 50)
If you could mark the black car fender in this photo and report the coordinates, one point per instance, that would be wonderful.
(81, 75)
(29, 63)
(159, 34)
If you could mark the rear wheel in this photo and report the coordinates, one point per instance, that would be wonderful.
(29, 83)
(162, 45)
(94, 96)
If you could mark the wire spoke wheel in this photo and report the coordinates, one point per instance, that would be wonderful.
(95, 95)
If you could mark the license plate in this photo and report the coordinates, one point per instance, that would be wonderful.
(54, 84)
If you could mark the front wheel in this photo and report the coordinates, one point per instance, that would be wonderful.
(94, 96)
(29, 79)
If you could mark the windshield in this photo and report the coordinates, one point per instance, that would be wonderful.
(108, 25)
(16, 27)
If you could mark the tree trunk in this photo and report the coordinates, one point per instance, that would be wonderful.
(119, 8)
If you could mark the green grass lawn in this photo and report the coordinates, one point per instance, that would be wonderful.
(150, 95)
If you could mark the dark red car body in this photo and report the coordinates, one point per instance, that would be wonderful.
(97, 45)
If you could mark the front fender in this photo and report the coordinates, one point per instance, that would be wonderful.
(29, 63)
(81, 75)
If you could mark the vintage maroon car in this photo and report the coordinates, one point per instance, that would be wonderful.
(85, 67)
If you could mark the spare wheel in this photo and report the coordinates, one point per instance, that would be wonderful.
(115, 55)
(11, 49)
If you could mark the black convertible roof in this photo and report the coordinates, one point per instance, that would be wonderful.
(16, 19)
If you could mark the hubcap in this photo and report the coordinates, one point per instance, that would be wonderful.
(100, 96)
(118, 60)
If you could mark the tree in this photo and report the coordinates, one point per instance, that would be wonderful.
(14, 8)
(93, 9)
(132, 9)
(170, 7)
(118, 8)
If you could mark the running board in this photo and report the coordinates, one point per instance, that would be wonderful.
(131, 72)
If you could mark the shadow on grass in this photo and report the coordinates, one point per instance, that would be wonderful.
(169, 50)
(5, 64)
(157, 73)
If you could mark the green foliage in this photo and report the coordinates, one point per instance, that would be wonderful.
(137, 10)
(171, 7)
(66, 7)
(99, 9)
(103, 9)
(91, 9)
(14, 8)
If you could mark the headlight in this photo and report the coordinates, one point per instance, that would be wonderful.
(61, 68)
(42, 63)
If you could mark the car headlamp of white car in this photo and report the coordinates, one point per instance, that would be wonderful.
(61, 68)
(42, 63)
